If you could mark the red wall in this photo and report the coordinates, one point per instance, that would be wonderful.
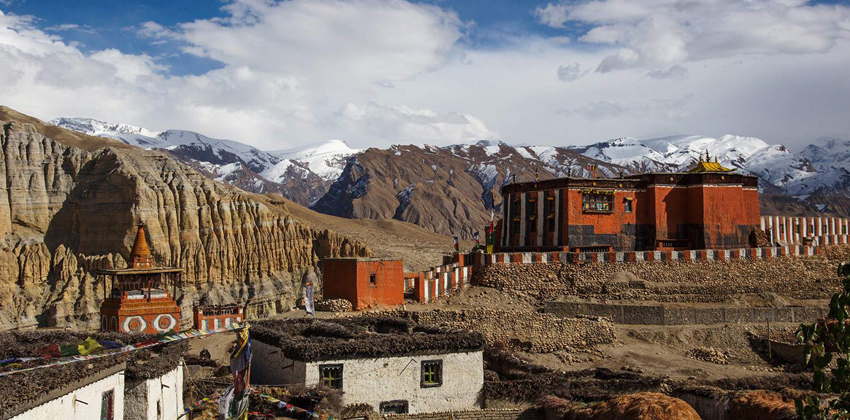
(349, 279)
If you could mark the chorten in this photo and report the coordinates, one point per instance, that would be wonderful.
(140, 301)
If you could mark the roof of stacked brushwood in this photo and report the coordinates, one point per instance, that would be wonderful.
(311, 340)
(26, 388)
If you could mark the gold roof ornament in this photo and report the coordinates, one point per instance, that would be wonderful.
(140, 256)
(708, 166)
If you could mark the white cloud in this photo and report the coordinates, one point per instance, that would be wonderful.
(675, 72)
(376, 72)
(409, 125)
(653, 108)
(571, 72)
(657, 34)
(71, 27)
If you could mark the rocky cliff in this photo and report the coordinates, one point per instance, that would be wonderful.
(71, 205)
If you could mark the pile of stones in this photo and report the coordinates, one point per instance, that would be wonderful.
(334, 305)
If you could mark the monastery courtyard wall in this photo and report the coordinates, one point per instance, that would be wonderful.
(796, 277)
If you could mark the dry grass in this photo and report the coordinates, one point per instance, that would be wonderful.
(761, 405)
(638, 406)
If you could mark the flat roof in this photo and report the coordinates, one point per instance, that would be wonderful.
(361, 337)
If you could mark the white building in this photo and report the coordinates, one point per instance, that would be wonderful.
(146, 385)
(97, 396)
(413, 371)
(157, 398)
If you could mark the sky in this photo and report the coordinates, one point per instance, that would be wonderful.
(282, 74)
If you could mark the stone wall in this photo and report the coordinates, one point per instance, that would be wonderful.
(811, 277)
(529, 331)
(489, 414)
(666, 315)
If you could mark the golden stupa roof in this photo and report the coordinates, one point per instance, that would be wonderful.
(141, 261)
(708, 166)
(140, 246)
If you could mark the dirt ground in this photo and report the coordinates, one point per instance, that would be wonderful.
(664, 351)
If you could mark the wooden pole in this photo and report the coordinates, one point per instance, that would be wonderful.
(769, 345)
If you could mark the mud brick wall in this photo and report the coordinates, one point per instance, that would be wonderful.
(811, 277)
(664, 315)
(489, 414)
(529, 331)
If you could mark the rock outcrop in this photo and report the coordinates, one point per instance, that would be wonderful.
(70, 209)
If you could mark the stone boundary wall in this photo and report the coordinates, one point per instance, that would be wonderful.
(486, 414)
(665, 315)
(438, 282)
(529, 331)
(793, 230)
(802, 278)
(481, 259)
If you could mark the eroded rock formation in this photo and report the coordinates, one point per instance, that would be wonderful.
(68, 210)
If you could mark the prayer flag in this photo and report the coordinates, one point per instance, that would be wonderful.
(308, 299)
(457, 244)
(89, 346)
(233, 405)
(475, 237)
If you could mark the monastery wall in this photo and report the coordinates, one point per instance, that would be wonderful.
(810, 277)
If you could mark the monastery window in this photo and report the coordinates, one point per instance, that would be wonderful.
(844, 230)
(627, 205)
(396, 407)
(594, 201)
(551, 203)
(432, 373)
(331, 375)
(373, 281)
(107, 405)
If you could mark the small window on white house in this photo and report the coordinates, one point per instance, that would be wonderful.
(432, 373)
(107, 405)
(396, 407)
(331, 375)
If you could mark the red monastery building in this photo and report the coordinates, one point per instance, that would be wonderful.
(140, 302)
(708, 207)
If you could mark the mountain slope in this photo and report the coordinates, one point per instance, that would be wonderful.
(445, 190)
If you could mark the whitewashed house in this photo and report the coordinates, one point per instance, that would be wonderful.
(158, 397)
(384, 362)
(99, 395)
(141, 385)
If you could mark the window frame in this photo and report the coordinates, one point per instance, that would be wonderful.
(373, 279)
(403, 403)
(329, 381)
(107, 397)
(439, 374)
(595, 201)
(628, 206)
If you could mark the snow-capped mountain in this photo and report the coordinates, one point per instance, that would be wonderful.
(447, 189)
(326, 160)
(301, 174)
